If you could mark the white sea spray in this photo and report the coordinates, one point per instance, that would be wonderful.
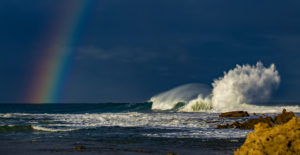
(245, 87)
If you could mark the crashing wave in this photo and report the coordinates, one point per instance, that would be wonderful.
(242, 88)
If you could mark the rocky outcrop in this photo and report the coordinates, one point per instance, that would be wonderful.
(234, 114)
(249, 124)
(284, 117)
(280, 139)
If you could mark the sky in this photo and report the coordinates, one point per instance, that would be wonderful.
(130, 50)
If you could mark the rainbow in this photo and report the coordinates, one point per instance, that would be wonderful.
(52, 66)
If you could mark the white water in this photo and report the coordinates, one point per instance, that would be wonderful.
(69, 122)
(241, 88)
(181, 125)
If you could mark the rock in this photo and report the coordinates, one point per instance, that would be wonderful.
(140, 150)
(284, 117)
(79, 148)
(234, 114)
(280, 139)
(252, 122)
(172, 154)
(249, 124)
(227, 126)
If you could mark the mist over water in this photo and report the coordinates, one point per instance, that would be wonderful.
(243, 88)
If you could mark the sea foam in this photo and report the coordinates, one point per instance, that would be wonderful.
(242, 88)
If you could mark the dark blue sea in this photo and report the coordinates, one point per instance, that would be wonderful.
(113, 128)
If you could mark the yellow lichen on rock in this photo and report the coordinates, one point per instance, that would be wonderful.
(279, 140)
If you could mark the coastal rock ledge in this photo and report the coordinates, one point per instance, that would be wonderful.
(282, 118)
(234, 114)
(281, 139)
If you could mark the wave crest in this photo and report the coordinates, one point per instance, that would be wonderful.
(169, 99)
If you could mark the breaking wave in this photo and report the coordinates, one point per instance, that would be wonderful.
(242, 88)
(179, 95)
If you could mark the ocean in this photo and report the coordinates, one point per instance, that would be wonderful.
(114, 128)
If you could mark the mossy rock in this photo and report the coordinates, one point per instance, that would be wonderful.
(278, 140)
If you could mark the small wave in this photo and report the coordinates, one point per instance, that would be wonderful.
(6, 115)
(30, 128)
(202, 133)
(15, 128)
(46, 129)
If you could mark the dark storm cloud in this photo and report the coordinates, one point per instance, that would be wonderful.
(130, 50)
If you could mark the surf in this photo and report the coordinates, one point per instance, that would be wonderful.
(245, 87)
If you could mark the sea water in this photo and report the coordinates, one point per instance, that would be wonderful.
(114, 128)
